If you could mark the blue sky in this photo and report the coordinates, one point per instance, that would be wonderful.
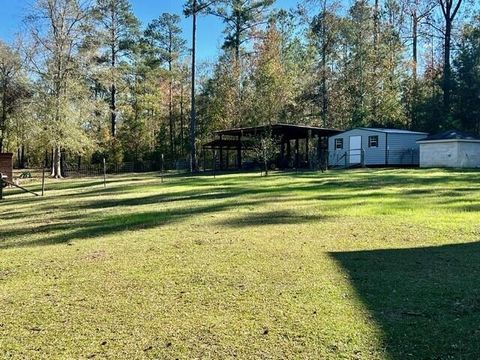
(209, 28)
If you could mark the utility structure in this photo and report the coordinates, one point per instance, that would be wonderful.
(294, 143)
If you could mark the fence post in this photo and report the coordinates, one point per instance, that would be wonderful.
(1, 186)
(162, 169)
(43, 178)
(104, 174)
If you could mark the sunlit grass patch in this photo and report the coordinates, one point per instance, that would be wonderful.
(306, 265)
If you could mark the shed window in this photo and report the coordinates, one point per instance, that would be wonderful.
(339, 143)
(373, 141)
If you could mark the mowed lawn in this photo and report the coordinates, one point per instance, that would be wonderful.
(364, 264)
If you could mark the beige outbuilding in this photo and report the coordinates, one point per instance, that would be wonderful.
(452, 149)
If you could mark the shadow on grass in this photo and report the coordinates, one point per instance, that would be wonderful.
(67, 229)
(426, 300)
(205, 195)
(281, 217)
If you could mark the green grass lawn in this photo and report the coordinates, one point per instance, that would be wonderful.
(367, 264)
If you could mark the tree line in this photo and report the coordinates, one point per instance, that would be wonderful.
(88, 81)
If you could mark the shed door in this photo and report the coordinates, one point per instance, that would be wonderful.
(355, 150)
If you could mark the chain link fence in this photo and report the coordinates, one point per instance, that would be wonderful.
(92, 170)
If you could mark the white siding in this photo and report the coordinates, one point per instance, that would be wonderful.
(469, 154)
(452, 154)
(373, 156)
(402, 147)
(438, 154)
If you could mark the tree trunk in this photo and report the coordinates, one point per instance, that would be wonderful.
(170, 112)
(182, 141)
(193, 125)
(414, 46)
(413, 112)
(447, 67)
(376, 65)
(113, 109)
(3, 119)
(22, 156)
(324, 68)
(113, 88)
(449, 9)
(56, 163)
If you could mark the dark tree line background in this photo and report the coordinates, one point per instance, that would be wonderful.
(89, 80)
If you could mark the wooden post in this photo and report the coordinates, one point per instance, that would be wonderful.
(221, 153)
(204, 160)
(307, 149)
(239, 152)
(214, 163)
(161, 169)
(289, 152)
(282, 153)
(1, 186)
(296, 153)
(43, 178)
(104, 174)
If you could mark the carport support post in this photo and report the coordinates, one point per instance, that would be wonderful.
(289, 152)
(221, 153)
(307, 149)
(214, 163)
(296, 153)
(203, 156)
(239, 152)
(282, 153)
(319, 153)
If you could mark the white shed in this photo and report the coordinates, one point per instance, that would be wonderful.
(452, 149)
(374, 147)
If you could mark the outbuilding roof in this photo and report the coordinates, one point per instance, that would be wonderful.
(451, 135)
(288, 131)
(393, 131)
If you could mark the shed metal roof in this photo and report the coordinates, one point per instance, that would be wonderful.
(393, 131)
(451, 135)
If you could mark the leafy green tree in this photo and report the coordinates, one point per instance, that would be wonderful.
(13, 87)
(242, 18)
(117, 31)
(450, 10)
(166, 45)
(271, 86)
(58, 31)
(265, 150)
(325, 36)
(467, 78)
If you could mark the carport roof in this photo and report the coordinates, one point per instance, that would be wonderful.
(286, 130)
